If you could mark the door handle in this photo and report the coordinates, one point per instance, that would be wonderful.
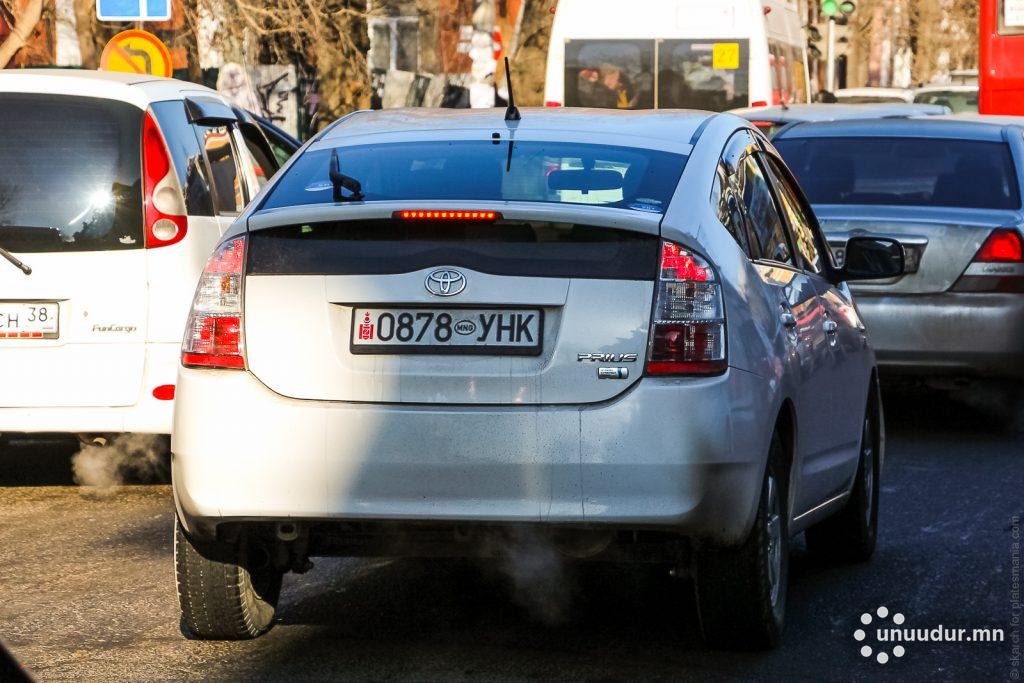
(831, 327)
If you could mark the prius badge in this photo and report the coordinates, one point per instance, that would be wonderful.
(446, 282)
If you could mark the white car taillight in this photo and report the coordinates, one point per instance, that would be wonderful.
(166, 217)
(688, 326)
(213, 336)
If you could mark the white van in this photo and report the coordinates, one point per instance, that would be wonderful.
(114, 188)
(692, 54)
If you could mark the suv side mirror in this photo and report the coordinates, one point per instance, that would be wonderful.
(872, 258)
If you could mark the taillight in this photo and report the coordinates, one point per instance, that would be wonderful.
(213, 336)
(997, 267)
(1002, 246)
(552, 103)
(688, 325)
(166, 219)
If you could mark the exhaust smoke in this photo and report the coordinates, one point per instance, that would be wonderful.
(127, 458)
(539, 579)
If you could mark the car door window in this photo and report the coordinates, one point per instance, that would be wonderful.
(264, 164)
(228, 182)
(766, 223)
(799, 223)
(726, 197)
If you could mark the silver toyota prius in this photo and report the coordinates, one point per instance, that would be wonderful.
(618, 333)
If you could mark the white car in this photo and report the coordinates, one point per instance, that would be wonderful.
(619, 332)
(873, 95)
(114, 188)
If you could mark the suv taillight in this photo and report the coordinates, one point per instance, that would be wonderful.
(213, 336)
(166, 217)
(688, 325)
(997, 267)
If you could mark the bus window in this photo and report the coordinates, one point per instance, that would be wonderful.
(609, 74)
(704, 74)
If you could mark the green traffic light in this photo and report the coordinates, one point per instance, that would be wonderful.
(830, 8)
(847, 7)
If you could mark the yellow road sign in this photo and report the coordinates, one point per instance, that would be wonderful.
(136, 52)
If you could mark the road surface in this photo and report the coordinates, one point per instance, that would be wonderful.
(87, 589)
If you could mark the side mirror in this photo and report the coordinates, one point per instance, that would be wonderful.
(872, 258)
(209, 111)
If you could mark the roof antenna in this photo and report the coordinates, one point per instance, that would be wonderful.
(512, 113)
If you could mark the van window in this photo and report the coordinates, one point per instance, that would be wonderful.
(902, 171)
(609, 74)
(703, 74)
(69, 192)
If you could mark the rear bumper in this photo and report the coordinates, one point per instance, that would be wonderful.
(680, 455)
(147, 416)
(948, 333)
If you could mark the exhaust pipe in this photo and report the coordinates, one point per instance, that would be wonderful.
(287, 531)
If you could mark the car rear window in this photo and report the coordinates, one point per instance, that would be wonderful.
(486, 170)
(507, 247)
(959, 101)
(894, 171)
(69, 174)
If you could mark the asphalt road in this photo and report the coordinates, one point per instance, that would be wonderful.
(87, 589)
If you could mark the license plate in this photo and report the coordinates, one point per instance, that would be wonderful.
(479, 331)
(29, 320)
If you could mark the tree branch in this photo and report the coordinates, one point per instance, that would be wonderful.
(24, 24)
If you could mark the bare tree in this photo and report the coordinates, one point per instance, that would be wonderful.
(329, 34)
(26, 18)
(530, 56)
(941, 35)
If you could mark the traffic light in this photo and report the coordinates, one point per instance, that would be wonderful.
(834, 9)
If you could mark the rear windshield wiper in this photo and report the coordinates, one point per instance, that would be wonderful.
(15, 261)
(339, 180)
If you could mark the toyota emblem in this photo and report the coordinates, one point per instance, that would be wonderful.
(446, 282)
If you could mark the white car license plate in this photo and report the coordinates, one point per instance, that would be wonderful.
(32, 320)
(447, 330)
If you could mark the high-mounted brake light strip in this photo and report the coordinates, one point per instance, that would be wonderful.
(448, 215)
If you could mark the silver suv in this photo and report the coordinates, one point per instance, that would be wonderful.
(618, 331)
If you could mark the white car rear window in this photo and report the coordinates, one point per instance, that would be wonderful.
(70, 177)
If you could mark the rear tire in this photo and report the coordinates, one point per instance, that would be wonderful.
(741, 592)
(221, 597)
(851, 534)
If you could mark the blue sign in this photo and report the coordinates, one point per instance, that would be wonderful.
(133, 10)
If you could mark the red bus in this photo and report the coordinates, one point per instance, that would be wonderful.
(1001, 66)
